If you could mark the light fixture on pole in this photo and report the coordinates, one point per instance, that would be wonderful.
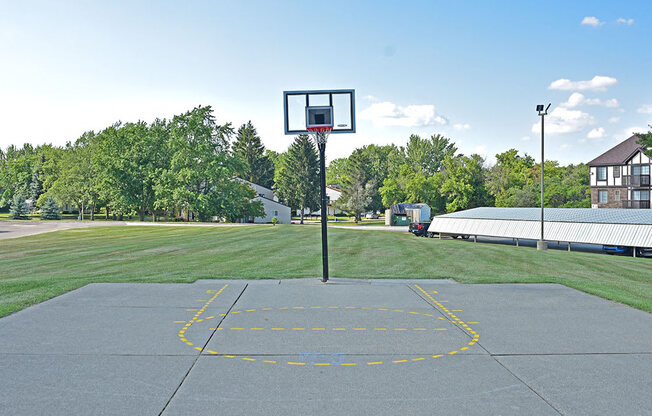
(542, 244)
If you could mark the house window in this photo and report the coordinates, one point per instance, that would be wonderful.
(641, 170)
(602, 173)
(616, 171)
(602, 197)
(275, 213)
(638, 195)
(617, 195)
(645, 170)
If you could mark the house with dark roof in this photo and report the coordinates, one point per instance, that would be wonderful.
(620, 177)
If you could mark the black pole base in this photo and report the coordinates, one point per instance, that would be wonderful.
(324, 211)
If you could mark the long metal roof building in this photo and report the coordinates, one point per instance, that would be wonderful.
(620, 227)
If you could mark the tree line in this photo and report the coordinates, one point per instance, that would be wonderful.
(185, 168)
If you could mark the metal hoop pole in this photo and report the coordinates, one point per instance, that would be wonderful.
(321, 144)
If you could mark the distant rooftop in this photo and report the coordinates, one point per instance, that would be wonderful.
(585, 215)
(619, 154)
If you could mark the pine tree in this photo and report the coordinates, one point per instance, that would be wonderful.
(18, 210)
(297, 179)
(50, 210)
(256, 166)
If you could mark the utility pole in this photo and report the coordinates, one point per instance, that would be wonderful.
(542, 244)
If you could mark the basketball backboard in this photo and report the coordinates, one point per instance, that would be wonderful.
(304, 110)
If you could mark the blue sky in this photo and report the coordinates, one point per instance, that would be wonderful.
(473, 71)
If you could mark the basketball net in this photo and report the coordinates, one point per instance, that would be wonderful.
(320, 134)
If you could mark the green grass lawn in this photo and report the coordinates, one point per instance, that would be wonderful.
(36, 268)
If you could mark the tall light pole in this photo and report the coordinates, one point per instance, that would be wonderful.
(542, 244)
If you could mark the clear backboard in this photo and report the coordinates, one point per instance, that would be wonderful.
(305, 110)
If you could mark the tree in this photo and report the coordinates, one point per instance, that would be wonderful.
(463, 185)
(131, 156)
(18, 208)
(256, 166)
(297, 180)
(511, 172)
(358, 189)
(199, 178)
(50, 210)
(645, 140)
(427, 155)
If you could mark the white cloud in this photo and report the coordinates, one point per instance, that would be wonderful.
(614, 120)
(371, 98)
(562, 120)
(596, 133)
(627, 22)
(592, 21)
(481, 150)
(526, 138)
(633, 130)
(462, 127)
(577, 99)
(645, 109)
(564, 146)
(387, 114)
(598, 83)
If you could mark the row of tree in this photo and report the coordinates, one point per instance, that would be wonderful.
(184, 167)
(179, 167)
(430, 170)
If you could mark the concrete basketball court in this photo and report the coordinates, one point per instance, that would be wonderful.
(297, 347)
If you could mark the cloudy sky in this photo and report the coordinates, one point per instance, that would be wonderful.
(473, 71)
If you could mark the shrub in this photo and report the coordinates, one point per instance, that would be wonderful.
(18, 210)
(50, 210)
(274, 220)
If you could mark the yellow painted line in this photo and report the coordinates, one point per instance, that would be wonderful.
(471, 343)
(179, 322)
(210, 291)
(189, 343)
(375, 363)
(339, 329)
(315, 307)
(350, 307)
(234, 312)
(298, 307)
(183, 339)
(269, 361)
(250, 310)
(398, 310)
(222, 314)
(248, 359)
(229, 356)
(420, 329)
(428, 314)
(434, 291)
(266, 309)
(452, 352)
(298, 329)
(211, 352)
(284, 307)
(400, 329)
(293, 363)
(365, 307)
(199, 320)
(198, 349)
(440, 329)
(333, 307)
(278, 329)
(209, 317)
(359, 329)
(318, 329)
(322, 364)
(464, 348)
(349, 364)
(415, 313)
(383, 309)
(380, 329)
(400, 361)
(437, 356)
(256, 329)
(418, 359)
(469, 322)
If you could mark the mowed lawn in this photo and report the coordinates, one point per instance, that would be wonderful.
(36, 268)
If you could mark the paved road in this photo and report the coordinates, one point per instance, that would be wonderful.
(13, 229)
(297, 347)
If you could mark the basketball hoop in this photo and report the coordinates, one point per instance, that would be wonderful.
(320, 133)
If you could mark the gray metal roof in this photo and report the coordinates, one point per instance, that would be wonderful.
(578, 215)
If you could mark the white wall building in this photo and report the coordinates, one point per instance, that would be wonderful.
(271, 204)
(332, 194)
